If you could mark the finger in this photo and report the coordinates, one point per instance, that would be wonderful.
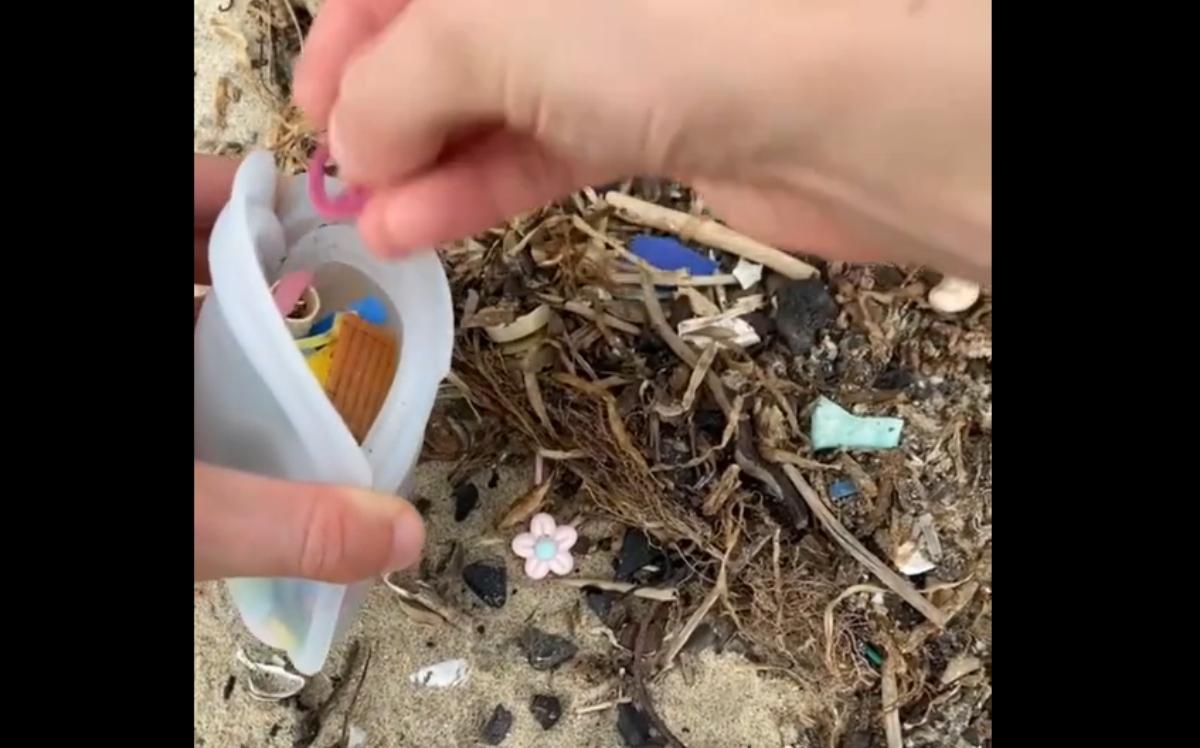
(779, 217)
(249, 526)
(340, 30)
(404, 98)
(498, 177)
(212, 182)
(200, 272)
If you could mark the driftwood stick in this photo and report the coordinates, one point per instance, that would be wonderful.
(709, 232)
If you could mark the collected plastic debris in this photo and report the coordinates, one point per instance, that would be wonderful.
(361, 372)
(546, 547)
(953, 295)
(666, 253)
(297, 301)
(747, 273)
(270, 682)
(288, 291)
(247, 375)
(369, 308)
(833, 426)
(442, 675)
(842, 489)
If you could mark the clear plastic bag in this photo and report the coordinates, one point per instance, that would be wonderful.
(257, 406)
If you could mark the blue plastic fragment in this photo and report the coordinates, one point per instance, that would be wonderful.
(666, 253)
(842, 489)
(370, 308)
(321, 326)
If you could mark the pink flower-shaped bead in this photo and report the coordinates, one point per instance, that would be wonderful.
(546, 547)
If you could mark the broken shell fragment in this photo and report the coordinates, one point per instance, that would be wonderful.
(268, 682)
(953, 295)
(911, 561)
(521, 327)
(960, 667)
(442, 675)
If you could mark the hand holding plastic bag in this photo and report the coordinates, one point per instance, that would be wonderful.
(249, 526)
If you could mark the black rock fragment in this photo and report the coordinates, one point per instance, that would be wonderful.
(546, 651)
(498, 725)
(466, 496)
(634, 727)
(805, 308)
(489, 582)
(546, 710)
(636, 553)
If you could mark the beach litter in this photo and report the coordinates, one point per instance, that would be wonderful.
(833, 426)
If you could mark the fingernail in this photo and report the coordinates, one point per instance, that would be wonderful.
(408, 536)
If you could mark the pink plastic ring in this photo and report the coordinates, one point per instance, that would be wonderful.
(339, 207)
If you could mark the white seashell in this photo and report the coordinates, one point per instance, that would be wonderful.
(442, 675)
(953, 295)
(910, 561)
(270, 682)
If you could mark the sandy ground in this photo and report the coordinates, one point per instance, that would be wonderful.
(710, 700)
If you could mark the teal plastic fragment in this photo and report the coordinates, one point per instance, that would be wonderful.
(833, 426)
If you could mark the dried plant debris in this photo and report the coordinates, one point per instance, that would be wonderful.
(266, 43)
(680, 404)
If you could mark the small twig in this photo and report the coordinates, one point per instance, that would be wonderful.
(674, 278)
(603, 705)
(662, 594)
(891, 707)
(639, 680)
(362, 676)
(775, 553)
(295, 22)
(310, 727)
(709, 232)
(559, 454)
(681, 639)
(897, 583)
(616, 323)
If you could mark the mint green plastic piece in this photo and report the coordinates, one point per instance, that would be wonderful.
(833, 426)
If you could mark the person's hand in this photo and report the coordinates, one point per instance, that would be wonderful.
(857, 128)
(249, 526)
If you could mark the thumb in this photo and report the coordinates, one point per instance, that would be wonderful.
(249, 526)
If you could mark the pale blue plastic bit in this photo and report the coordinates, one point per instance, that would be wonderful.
(833, 426)
(545, 549)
